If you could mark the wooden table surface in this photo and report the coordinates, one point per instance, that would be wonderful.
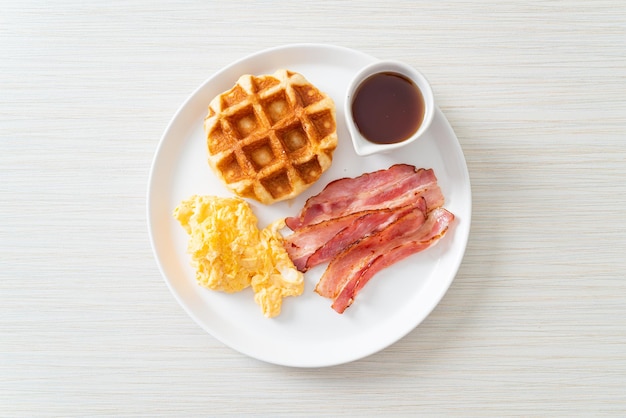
(533, 324)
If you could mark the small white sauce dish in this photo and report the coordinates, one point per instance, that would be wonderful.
(363, 146)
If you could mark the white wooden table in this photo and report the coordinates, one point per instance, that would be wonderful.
(535, 321)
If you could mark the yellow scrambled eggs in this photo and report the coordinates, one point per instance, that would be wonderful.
(230, 253)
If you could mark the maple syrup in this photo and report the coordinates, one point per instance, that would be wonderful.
(388, 108)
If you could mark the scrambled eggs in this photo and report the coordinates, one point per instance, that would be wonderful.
(229, 252)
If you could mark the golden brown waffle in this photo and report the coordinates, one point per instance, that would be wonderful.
(271, 136)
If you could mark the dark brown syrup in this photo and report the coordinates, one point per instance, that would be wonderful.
(388, 108)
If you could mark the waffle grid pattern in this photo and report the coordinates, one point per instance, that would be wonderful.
(270, 137)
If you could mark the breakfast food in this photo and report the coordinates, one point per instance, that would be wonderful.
(350, 208)
(351, 269)
(277, 277)
(222, 236)
(364, 224)
(230, 254)
(395, 186)
(321, 242)
(271, 136)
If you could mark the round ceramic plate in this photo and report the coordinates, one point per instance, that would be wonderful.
(308, 333)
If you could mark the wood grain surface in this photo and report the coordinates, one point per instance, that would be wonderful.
(535, 321)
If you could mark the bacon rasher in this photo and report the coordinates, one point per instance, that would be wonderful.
(393, 187)
(365, 224)
(354, 278)
(357, 256)
(307, 240)
(340, 191)
(315, 244)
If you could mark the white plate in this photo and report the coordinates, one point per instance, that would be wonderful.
(308, 333)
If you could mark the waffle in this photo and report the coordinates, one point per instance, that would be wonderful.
(270, 137)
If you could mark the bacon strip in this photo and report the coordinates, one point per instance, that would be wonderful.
(307, 240)
(402, 246)
(343, 189)
(315, 244)
(356, 257)
(372, 222)
(365, 224)
(392, 187)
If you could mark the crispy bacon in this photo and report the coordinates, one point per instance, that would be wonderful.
(429, 234)
(401, 246)
(365, 224)
(370, 223)
(339, 191)
(307, 240)
(393, 187)
(357, 256)
(316, 244)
